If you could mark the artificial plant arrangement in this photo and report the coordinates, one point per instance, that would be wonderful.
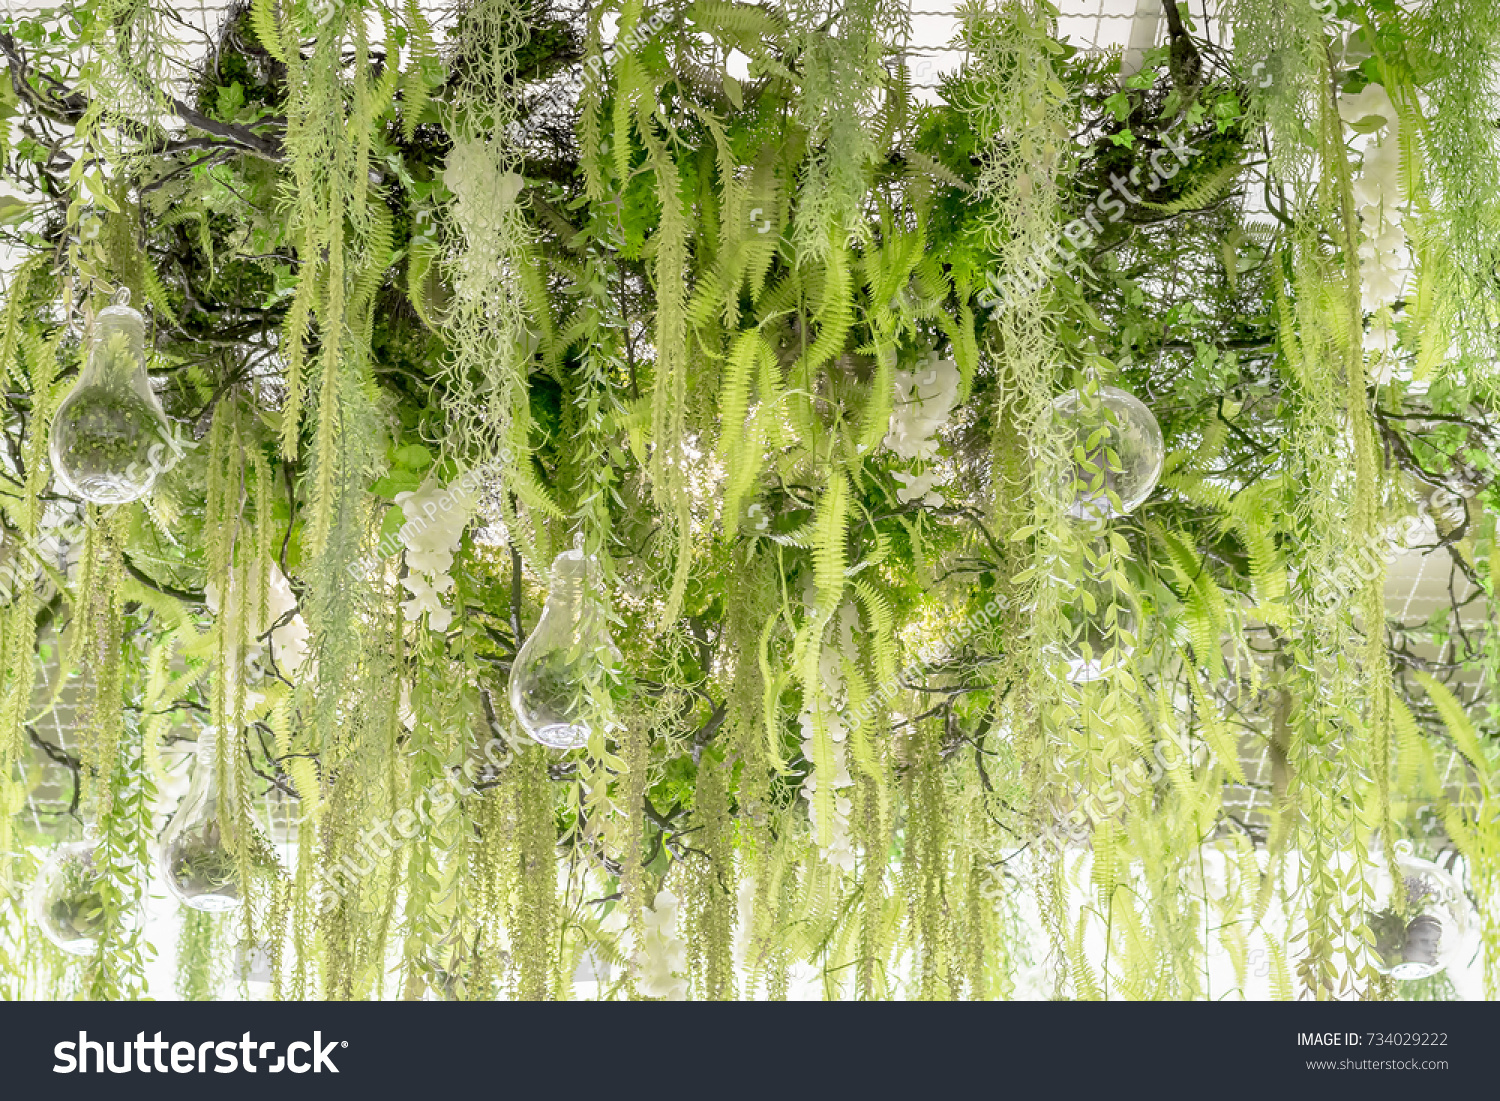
(909, 657)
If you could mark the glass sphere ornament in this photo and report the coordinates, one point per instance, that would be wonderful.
(194, 858)
(1426, 937)
(559, 676)
(66, 900)
(1101, 623)
(1114, 452)
(110, 438)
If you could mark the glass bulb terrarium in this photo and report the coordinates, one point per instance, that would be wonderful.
(66, 899)
(195, 860)
(1114, 452)
(110, 437)
(1424, 936)
(559, 675)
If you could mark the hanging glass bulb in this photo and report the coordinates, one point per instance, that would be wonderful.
(66, 902)
(1427, 936)
(1101, 631)
(110, 436)
(1115, 452)
(194, 859)
(560, 671)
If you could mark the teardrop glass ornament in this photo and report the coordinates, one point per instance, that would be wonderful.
(110, 438)
(1114, 452)
(66, 900)
(194, 858)
(559, 675)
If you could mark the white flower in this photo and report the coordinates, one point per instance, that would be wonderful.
(1380, 339)
(917, 487)
(432, 560)
(404, 708)
(425, 599)
(848, 623)
(829, 671)
(435, 520)
(661, 959)
(840, 848)
(1372, 101)
(289, 641)
(924, 399)
(1384, 262)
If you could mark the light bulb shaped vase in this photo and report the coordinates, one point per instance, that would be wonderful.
(195, 858)
(110, 438)
(559, 677)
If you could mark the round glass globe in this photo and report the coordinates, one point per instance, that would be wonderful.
(1115, 452)
(1101, 631)
(65, 900)
(1427, 937)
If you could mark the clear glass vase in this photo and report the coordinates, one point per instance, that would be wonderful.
(1114, 451)
(1101, 630)
(559, 674)
(195, 861)
(1425, 935)
(110, 438)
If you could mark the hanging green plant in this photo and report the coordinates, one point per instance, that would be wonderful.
(687, 500)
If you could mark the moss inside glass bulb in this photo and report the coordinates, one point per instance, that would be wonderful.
(201, 869)
(69, 905)
(105, 443)
(556, 691)
(79, 911)
(195, 858)
(1388, 930)
(109, 437)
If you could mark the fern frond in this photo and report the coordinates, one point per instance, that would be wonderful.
(1203, 191)
(1459, 726)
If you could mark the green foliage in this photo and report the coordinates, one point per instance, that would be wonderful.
(681, 317)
